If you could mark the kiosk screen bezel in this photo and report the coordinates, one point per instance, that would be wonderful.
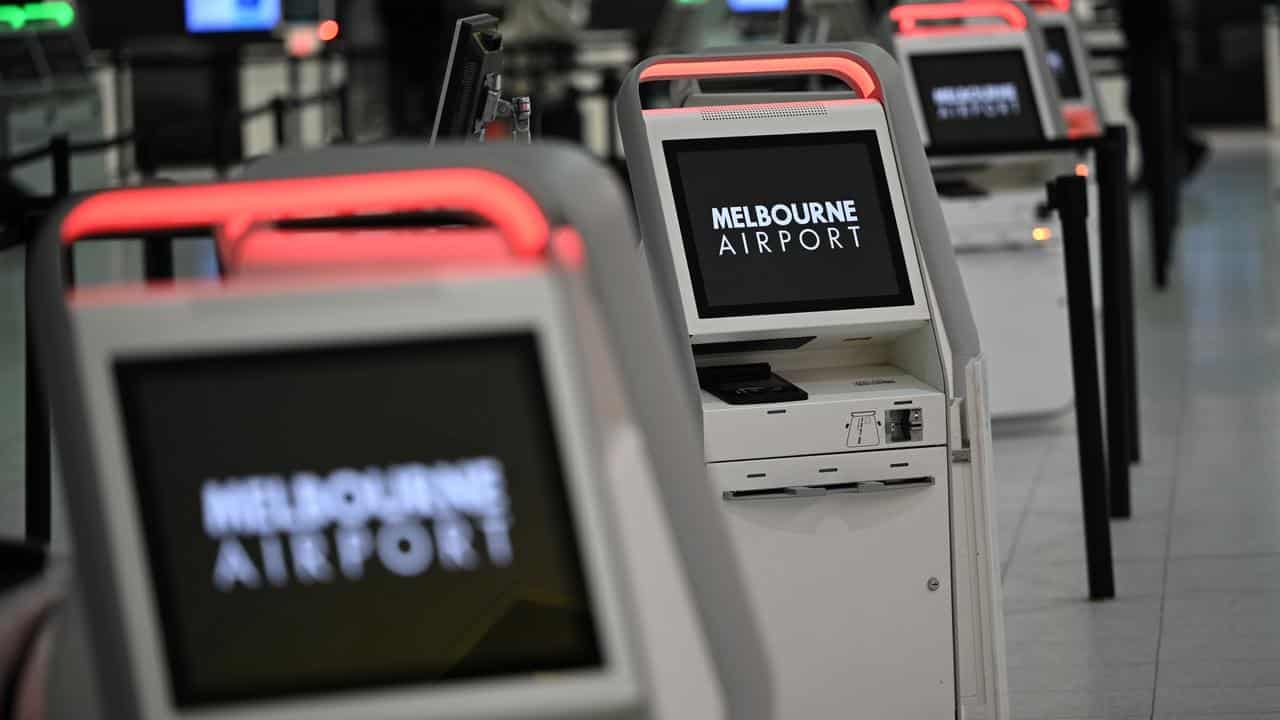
(864, 138)
(136, 380)
(1024, 79)
(763, 119)
(1070, 84)
(252, 315)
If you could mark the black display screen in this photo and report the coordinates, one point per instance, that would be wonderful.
(972, 99)
(1062, 63)
(787, 223)
(353, 517)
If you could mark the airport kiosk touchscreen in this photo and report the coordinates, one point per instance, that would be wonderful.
(396, 535)
(976, 98)
(775, 223)
(977, 73)
(1067, 59)
(787, 223)
(1062, 62)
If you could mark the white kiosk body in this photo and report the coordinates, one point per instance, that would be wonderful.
(409, 481)
(978, 75)
(790, 240)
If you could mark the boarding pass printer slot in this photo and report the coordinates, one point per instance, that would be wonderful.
(844, 488)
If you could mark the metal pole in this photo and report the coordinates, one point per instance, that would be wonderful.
(1124, 236)
(791, 19)
(1069, 196)
(60, 147)
(1271, 61)
(1163, 176)
(39, 440)
(344, 112)
(1117, 299)
(220, 162)
(293, 69)
(157, 258)
(280, 119)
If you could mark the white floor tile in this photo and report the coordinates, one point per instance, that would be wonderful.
(1221, 626)
(1244, 573)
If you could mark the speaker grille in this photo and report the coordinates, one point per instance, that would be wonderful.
(766, 112)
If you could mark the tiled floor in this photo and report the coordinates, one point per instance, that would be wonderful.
(1195, 631)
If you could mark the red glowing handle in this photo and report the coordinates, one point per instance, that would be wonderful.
(909, 17)
(231, 209)
(839, 65)
(1051, 5)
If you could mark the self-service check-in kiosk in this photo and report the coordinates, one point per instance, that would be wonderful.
(979, 80)
(976, 73)
(384, 470)
(1068, 61)
(799, 243)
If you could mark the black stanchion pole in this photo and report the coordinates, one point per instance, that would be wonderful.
(157, 252)
(1069, 196)
(791, 17)
(220, 163)
(39, 440)
(1117, 297)
(157, 258)
(60, 153)
(39, 443)
(1163, 177)
(344, 113)
(280, 119)
(1125, 237)
(60, 147)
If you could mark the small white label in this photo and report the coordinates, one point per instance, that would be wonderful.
(864, 430)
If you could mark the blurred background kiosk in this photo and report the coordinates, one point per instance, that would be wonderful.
(396, 464)
(981, 86)
(835, 370)
(1068, 61)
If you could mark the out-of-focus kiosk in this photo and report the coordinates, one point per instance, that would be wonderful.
(1068, 61)
(800, 246)
(979, 81)
(399, 472)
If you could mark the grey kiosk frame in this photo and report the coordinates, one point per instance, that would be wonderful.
(570, 190)
(982, 683)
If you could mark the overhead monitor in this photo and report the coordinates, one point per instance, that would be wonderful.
(1062, 63)
(394, 535)
(231, 16)
(474, 55)
(976, 98)
(757, 6)
(787, 223)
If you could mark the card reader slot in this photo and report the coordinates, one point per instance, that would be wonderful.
(861, 487)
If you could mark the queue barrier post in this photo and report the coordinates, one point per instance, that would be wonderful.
(1068, 195)
(1117, 316)
(38, 441)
